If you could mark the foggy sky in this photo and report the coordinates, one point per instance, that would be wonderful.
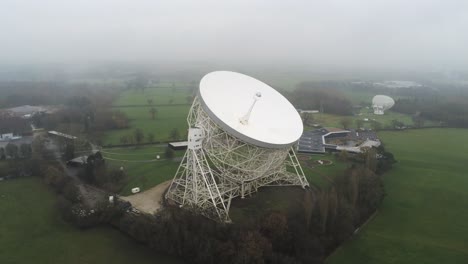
(431, 34)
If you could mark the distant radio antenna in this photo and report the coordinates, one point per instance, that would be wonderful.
(245, 119)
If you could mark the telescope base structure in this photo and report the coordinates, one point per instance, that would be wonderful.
(218, 167)
(197, 187)
(194, 186)
(378, 110)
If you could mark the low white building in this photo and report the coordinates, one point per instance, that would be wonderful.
(8, 137)
(308, 111)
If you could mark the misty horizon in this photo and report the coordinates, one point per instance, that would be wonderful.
(364, 34)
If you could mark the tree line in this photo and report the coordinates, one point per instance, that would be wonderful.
(449, 111)
(308, 97)
(307, 233)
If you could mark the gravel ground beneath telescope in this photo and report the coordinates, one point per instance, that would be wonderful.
(149, 201)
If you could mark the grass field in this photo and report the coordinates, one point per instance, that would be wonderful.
(171, 117)
(330, 120)
(151, 173)
(31, 231)
(424, 218)
(158, 95)
(140, 173)
(285, 199)
(167, 118)
(322, 175)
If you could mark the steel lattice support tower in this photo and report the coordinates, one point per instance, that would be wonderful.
(218, 167)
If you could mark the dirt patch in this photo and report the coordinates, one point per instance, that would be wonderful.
(90, 195)
(149, 201)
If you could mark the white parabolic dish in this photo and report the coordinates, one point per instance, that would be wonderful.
(383, 101)
(228, 96)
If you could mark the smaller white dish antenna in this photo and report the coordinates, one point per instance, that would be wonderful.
(381, 103)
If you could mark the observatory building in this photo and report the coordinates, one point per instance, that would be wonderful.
(241, 137)
(381, 103)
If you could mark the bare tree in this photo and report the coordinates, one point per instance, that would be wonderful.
(138, 135)
(345, 122)
(124, 139)
(359, 123)
(376, 125)
(11, 150)
(169, 153)
(2, 153)
(322, 198)
(371, 159)
(153, 112)
(150, 137)
(175, 134)
(307, 118)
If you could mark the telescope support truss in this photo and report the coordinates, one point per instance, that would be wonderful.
(218, 167)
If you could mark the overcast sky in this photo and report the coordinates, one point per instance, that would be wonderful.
(361, 33)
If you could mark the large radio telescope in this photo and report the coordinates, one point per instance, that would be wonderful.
(381, 103)
(241, 137)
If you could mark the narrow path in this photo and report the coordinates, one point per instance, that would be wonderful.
(90, 195)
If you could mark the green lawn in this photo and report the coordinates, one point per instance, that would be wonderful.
(151, 173)
(31, 231)
(285, 198)
(140, 166)
(168, 118)
(159, 96)
(424, 218)
(322, 175)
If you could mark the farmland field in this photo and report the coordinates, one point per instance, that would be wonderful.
(322, 175)
(423, 219)
(145, 172)
(168, 118)
(330, 120)
(172, 108)
(32, 231)
(157, 94)
(141, 166)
